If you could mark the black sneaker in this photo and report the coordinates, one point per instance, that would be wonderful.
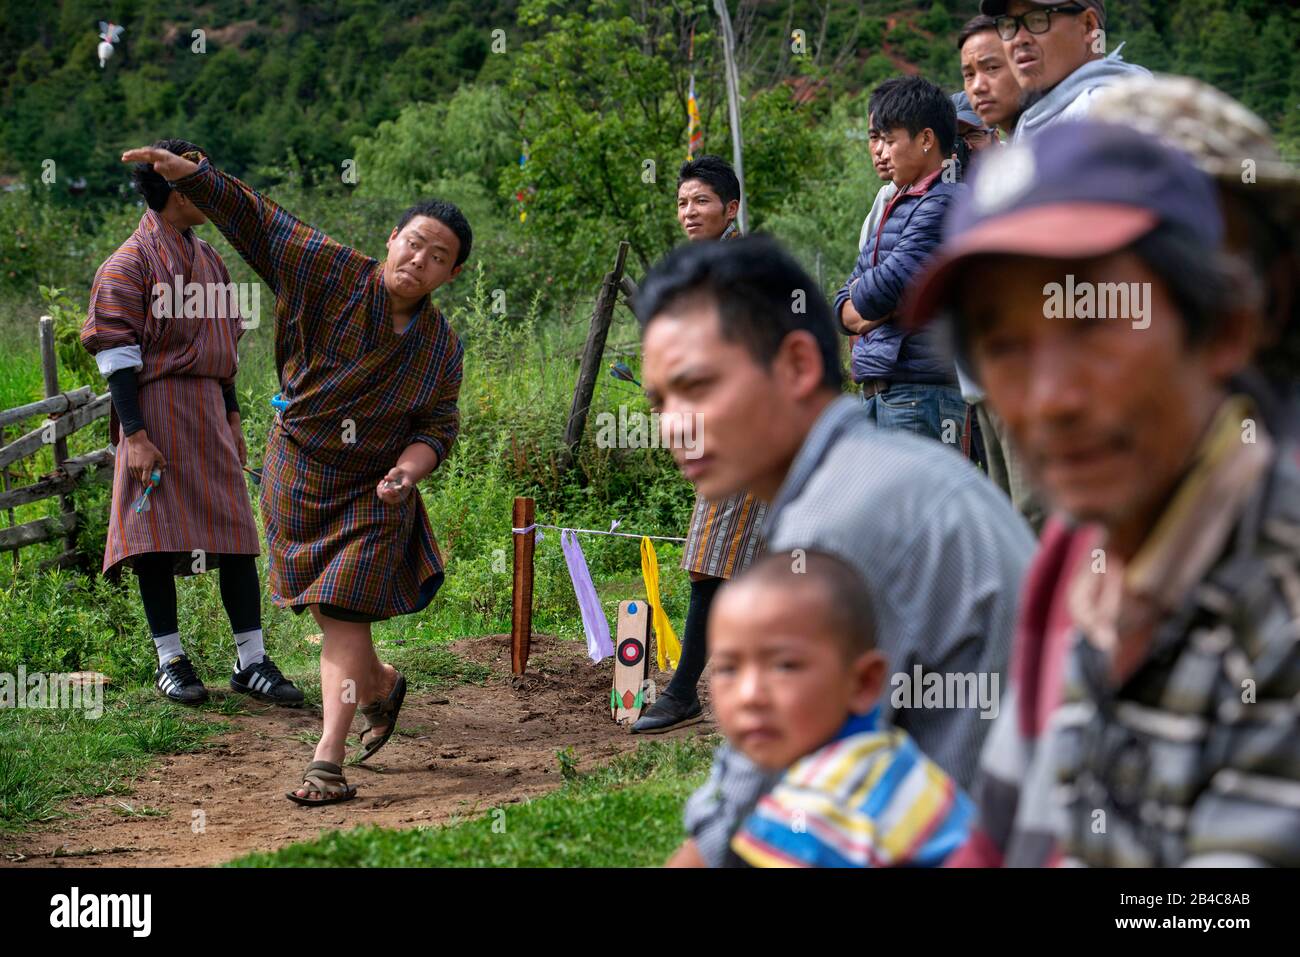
(669, 714)
(176, 680)
(265, 682)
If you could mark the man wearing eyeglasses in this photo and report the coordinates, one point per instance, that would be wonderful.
(987, 78)
(1058, 55)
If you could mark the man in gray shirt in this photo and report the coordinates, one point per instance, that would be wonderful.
(739, 345)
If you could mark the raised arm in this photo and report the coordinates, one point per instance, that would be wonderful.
(282, 249)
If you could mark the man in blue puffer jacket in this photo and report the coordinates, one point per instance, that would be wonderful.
(908, 380)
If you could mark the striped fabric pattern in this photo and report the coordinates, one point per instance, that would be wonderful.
(202, 501)
(725, 535)
(867, 799)
(260, 683)
(358, 393)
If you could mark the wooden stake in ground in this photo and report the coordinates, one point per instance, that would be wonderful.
(521, 622)
(592, 354)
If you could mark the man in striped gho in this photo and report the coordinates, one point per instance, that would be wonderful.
(170, 360)
(370, 374)
(725, 533)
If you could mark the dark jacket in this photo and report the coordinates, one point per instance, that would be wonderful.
(889, 261)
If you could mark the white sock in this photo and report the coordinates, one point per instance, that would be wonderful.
(251, 649)
(169, 646)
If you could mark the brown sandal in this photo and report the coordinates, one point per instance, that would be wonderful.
(382, 713)
(325, 778)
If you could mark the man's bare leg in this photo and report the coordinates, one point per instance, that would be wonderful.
(350, 674)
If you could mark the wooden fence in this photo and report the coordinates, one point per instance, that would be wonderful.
(65, 412)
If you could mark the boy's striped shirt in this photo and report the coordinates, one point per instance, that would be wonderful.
(868, 799)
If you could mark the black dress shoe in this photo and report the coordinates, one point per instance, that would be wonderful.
(668, 714)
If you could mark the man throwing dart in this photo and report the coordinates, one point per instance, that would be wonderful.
(370, 374)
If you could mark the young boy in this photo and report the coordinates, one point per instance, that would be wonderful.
(796, 683)
(908, 382)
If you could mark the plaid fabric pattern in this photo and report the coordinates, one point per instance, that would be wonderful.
(358, 393)
(1191, 759)
(202, 502)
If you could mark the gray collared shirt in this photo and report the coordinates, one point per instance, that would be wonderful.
(943, 553)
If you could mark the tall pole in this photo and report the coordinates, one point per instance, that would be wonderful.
(733, 106)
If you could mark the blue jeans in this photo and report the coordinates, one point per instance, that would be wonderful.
(935, 411)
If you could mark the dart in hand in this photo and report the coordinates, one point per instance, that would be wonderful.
(142, 503)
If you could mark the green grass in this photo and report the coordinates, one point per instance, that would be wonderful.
(48, 757)
(626, 814)
(430, 667)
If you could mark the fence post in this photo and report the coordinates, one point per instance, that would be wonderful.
(50, 370)
(592, 352)
(521, 622)
(4, 479)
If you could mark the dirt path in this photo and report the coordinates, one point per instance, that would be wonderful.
(457, 753)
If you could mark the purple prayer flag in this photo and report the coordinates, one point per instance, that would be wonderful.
(593, 617)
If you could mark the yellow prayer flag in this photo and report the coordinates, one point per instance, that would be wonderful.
(667, 648)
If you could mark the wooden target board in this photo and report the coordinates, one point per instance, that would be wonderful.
(631, 661)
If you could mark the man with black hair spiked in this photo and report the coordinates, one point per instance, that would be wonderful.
(725, 533)
(171, 369)
(370, 373)
(908, 382)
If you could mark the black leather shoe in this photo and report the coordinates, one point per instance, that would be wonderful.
(668, 714)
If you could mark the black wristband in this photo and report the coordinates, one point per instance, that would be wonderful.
(228, 393)
(124, 387)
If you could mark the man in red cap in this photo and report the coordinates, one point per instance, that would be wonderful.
(1149, 719)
